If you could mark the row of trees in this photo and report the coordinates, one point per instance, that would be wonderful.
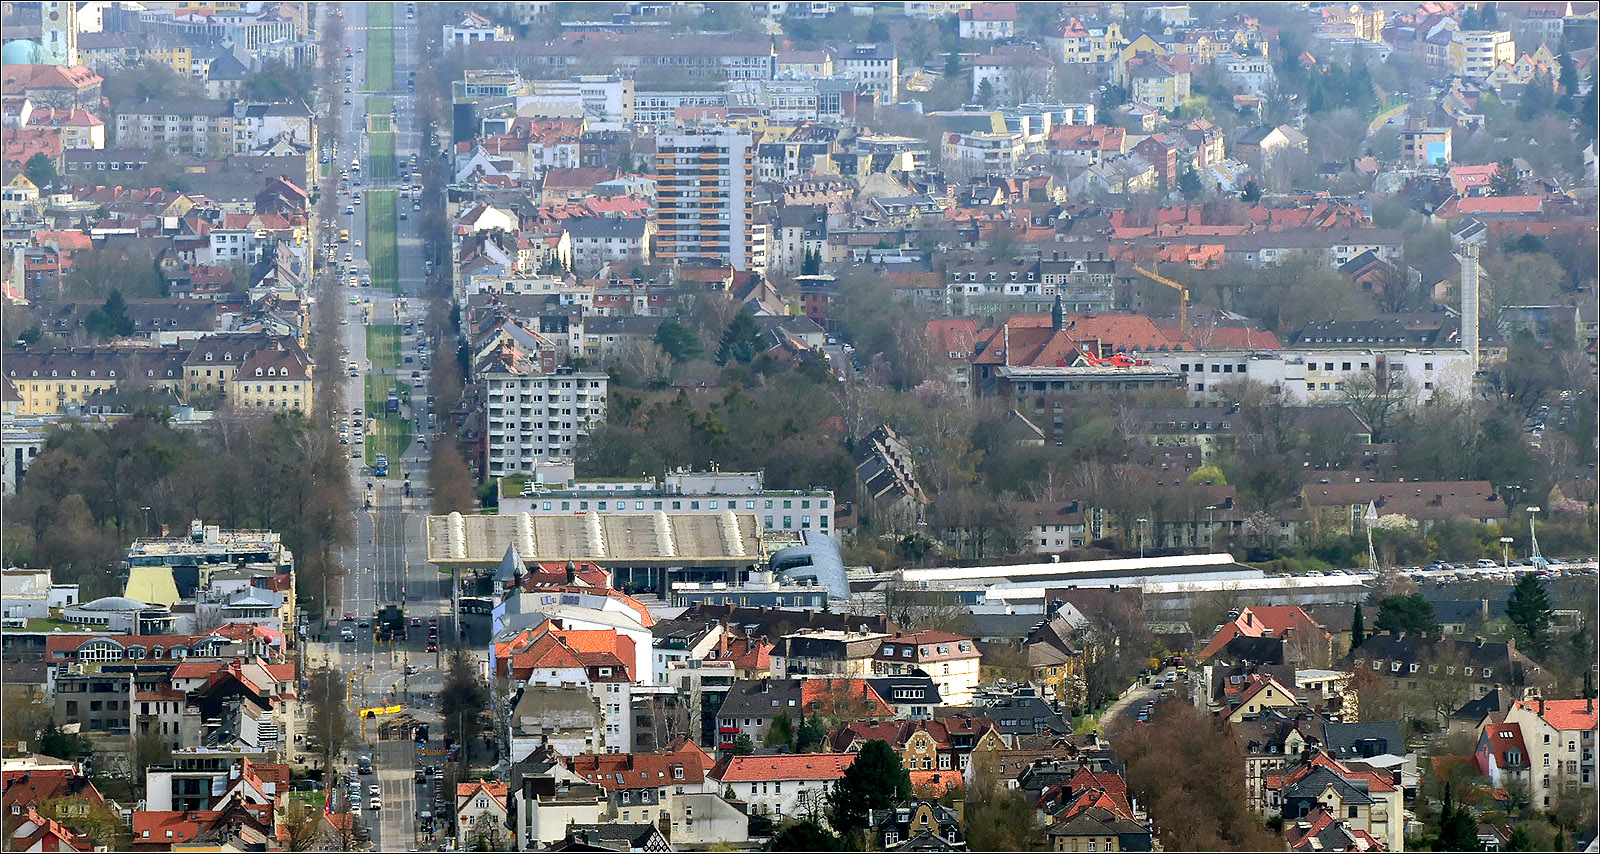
(92, 491)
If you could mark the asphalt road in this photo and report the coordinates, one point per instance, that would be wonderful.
(1131, 702)
(387, 563)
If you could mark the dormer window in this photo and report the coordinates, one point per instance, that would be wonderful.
(208, 356)
(258, 372)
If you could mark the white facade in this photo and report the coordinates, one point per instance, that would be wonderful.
(543, 821)
(982, 23)
(1317, 376)
(1251, 74)
(983, 152)
(480, 815)
(532, 419)
(473, 29)
(1560, 758)
(1475, 53)
(795, 791)
(606, 101)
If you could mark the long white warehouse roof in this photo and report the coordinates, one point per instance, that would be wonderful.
(1084, 569)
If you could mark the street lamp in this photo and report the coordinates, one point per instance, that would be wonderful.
(1211, 525)
(1141, 536)
(148, 525)
(1505, 549)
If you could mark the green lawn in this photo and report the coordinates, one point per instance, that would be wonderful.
(391, 434)
(382, 153)
(383, 347)
(382, 253)
(380, 47)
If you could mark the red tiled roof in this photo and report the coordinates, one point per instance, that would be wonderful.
(612, 771)
(493, 788)
(816, 693)
(1499, 205)
(1565, 714)
(1503, 738)
(1303, 834)
(810, 766)
(33, 786)
(1254, 621)
(170, 826)
(19, 77)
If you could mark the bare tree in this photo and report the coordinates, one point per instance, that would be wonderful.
(1378, 400)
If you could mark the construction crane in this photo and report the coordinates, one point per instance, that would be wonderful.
(1183, 295)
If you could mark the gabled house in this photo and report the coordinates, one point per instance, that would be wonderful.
(1364, 798)
(481, 814)
(936, 826)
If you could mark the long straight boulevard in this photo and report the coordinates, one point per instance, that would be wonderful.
(372, 167)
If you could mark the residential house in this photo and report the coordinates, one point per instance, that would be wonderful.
(918, 825)
(1157, 81)
(480, 810)
(1366, 799)
(777, 786)
(1321, 830)
(987, 21)
(951, 660)
(942, 744)
(1304, 639)
(1479, 665)
(1559, 739)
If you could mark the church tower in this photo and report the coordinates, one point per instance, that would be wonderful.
(58, 33)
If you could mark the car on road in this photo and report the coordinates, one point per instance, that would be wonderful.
(375, 804)
(349, 616)
(432, 647)
(365, 624)
(374, 790)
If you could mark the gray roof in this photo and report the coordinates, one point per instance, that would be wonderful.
(1466, 611)
(113, 603)
(623, 325)
(886, 685)
(1312, 786)
(1363, 740)
(816, 561)
(756, 698)
(277, 108)
(178, 107)
(622, 228)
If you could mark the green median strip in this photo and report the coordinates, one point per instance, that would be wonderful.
(380, 47)
(382, 164)
(382, 251)
(383, 347)
(391, 432)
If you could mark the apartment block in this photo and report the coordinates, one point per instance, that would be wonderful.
(531, 416)
(1475, 53)
(703, 196)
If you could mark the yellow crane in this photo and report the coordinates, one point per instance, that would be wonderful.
(1183, 294)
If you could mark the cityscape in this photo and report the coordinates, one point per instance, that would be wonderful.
(799, 426)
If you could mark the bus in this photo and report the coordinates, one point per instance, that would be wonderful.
(381, 468)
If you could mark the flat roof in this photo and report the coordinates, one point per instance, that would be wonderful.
(1067, 571)
(626, 539)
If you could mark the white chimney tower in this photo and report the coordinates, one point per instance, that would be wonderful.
(1469, 302)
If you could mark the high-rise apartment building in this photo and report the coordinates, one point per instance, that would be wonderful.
(535, 417)
(703, 205)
